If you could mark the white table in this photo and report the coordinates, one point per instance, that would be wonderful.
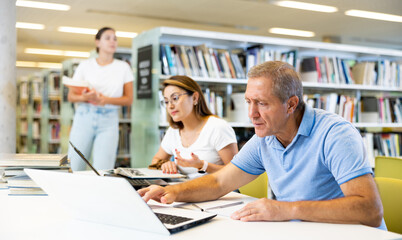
(36, 217)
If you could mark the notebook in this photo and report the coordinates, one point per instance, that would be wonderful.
(113, 201)
(136, 183)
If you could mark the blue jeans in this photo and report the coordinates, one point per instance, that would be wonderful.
(94, 129)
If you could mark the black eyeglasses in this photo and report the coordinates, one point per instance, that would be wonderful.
(174, 98)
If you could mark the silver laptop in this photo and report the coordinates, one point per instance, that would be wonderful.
(113, 201)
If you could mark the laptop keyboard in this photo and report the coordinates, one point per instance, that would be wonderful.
(139, 182)
(171, 219)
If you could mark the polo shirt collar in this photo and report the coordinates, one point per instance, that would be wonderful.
(307, 122)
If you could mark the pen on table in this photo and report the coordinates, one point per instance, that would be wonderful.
(226, 205)
(195, 205)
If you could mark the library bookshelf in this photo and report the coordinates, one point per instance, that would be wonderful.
(219, 63)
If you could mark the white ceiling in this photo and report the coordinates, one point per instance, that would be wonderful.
(236, 16)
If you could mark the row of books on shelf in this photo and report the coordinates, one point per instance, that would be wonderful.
(35, 146)
(54, 83)
(54, 107)
(125, 112)
(23, 109)
(201, 61)
(382, 144)
(37, 107)
(235, 112)
(363, 110)
(13, 177)
(54, 130)
(259, 54)
(23, 127)
(36, 129)
(36, 87)
(346, 71)
(23, 90)
(54, 148)
(124, 139)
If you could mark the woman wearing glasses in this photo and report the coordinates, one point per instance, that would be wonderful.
(199, 141)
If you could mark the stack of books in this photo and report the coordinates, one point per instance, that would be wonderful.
(13, 177)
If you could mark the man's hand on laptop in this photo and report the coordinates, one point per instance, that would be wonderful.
(157, 193)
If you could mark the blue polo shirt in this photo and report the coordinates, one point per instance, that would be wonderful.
(326, 152)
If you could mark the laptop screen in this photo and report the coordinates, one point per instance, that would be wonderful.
(83, 158)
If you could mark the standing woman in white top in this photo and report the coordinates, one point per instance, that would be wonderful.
(95, 127)
(199, 141)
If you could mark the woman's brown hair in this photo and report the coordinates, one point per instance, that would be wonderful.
(190, 86)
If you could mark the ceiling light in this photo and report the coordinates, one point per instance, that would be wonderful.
(38, 64)
(92, 31)
(292, 32)
(49, 65)
(56, 52)
(374, 15)
(30, 25)
(76, 54)
(43, 5)
(307, 6)
(78, 30)
(126, 34)
(25, 64)
(44, 51)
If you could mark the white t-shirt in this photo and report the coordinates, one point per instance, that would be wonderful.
(108, 80)
(215, 135)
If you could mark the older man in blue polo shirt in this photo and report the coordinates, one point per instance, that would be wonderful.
(315, 161)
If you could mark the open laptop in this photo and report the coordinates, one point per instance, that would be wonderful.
(136, 183)
(113, 201)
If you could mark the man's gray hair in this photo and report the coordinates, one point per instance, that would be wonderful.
(286, 82)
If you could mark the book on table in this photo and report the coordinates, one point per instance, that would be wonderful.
(27, 160)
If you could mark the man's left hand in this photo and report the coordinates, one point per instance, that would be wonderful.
(262, 210)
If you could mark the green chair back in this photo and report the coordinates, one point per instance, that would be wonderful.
(258, 188)
(390, 167)
(391, 197)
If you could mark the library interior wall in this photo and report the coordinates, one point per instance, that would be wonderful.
(7, 76)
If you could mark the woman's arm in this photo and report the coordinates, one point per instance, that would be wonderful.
(125, 100)
(226, 154)
(160, 155)
(167, 167)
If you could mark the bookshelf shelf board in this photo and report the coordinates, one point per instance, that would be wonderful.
(124, 120)
(55, 97)
(54, 117)
(123, 156)
(214, 80)
(378, 125)
(36, 116)
(54, 141)
(350, 87)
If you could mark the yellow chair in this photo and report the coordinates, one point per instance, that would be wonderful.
(258, 188)
(390, 167)
(391, 197)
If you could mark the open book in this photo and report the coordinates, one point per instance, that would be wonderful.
(77, 86)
